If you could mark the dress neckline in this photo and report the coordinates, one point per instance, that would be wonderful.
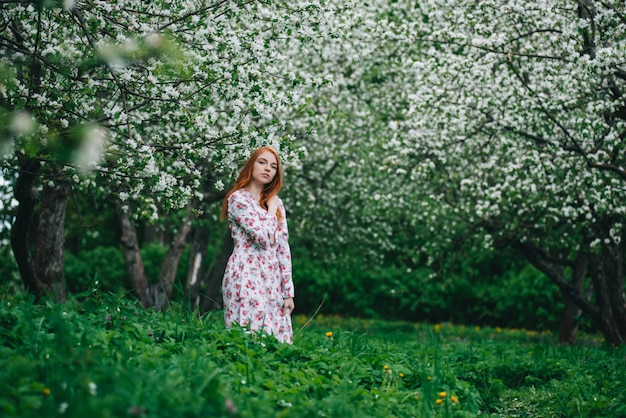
(254, 199)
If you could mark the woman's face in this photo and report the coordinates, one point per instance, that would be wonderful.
(265, 168)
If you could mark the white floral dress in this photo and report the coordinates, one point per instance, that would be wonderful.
(258, 273)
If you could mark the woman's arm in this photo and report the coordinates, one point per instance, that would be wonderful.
(283, 253)
(260, 229)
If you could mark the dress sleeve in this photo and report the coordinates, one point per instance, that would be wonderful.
(258, 228)
(283, 253)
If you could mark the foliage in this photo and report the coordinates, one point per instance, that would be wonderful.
(143, 100)
(152, 255)
(491, 289)
(496, 122)
(514, 122)
(108, 357)
(8, 269)
(104, 267)
(101, 268)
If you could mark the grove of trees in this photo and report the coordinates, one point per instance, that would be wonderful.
(416, 135)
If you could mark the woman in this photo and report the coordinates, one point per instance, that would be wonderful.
(257, 288)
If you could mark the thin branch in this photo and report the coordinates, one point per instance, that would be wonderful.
(193, 12)
(34, 63)
(545, 111)
(535, 138)
(493, 50)
(78, 15)
(611, 168)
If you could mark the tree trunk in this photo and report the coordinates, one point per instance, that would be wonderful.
(606, 272)
(20, 231)
(204, 290)
(214, 276)
(132, 257)
(197, 264)
(608, 281)
(50, 251)
(569, 321)
(615, 285)
(571, 312)
(170, 263)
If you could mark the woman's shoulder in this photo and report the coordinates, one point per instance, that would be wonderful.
(238, 198)
(239, 194)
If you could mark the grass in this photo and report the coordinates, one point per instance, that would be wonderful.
(106, 357)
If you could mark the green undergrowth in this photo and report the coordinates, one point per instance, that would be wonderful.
(107, 357)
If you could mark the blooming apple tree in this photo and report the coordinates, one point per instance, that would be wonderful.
(140, 100)
(505, 119)
(517, 125)
(340, 189)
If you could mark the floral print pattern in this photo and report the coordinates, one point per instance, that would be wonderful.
(258, 273)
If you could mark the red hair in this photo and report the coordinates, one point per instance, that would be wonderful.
(245, 178)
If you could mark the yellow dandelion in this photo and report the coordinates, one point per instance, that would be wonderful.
(385, 367)
(429, 378)
(454, 398)
(45, 391)
(437, 327)
(442, 394)
(329, 334)
(439, 401)
(401, 374)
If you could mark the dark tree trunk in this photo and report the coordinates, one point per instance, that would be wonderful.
(132, 257)
(204, 279)
(569, 322)
(20, 231)
(197, 265)
(608, 281)
(169, 265)
(214, 276)
(615, 285)
(571, 312)
(50, 252)
(606, 272)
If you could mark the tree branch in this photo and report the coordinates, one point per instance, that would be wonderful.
(544, 264)
(79, 17)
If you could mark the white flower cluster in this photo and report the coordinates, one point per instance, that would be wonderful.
(178, 90)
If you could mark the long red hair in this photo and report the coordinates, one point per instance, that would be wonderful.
(245, 178)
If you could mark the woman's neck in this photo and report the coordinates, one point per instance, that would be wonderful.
(255, 190)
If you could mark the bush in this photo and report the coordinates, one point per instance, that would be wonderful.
(495, 289)
(9, 273)
(102, 264)
(107, 266)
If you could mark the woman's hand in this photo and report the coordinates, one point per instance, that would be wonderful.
(272, 205)
(288, 306)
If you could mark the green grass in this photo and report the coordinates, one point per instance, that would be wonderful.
(106, 357)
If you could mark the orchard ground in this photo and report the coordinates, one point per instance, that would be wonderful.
(106, 357)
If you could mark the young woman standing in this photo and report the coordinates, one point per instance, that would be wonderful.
(258, 289)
